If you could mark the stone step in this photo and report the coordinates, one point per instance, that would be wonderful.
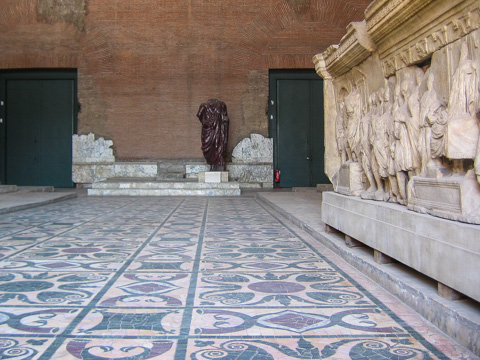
(8, 189)
(36, 189)
(153, 187)
(159, 184)
(164, 192)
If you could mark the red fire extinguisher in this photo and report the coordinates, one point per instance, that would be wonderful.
(277, 176)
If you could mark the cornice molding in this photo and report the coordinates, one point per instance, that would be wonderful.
(355, 47)
(385, 16)
(402, 32)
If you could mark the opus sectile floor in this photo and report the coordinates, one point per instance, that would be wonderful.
(190, 278)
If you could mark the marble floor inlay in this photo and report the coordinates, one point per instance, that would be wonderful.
(191, 278)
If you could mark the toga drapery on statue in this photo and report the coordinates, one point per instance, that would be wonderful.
(213, 116)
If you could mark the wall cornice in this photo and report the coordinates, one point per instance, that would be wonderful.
(403, 32)
(354, 48)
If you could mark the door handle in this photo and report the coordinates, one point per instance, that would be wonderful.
(309, 158)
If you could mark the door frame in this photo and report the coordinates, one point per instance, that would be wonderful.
(31, 74)
(283, 74)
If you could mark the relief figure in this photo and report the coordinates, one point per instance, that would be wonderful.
(404, 155)
(379, 139)
(414, 127)
(390, 106)
(352, 120)
(433, 119)
(463, 106)
(367, 159)
(340, 135)
(464, 94)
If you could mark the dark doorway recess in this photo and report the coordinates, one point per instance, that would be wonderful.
(296, 125)
(39, 114)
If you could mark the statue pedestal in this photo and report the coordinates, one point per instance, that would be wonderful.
(213, 176)
(453, 197)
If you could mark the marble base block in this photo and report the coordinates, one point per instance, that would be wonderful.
(213, 176)
(444, 250)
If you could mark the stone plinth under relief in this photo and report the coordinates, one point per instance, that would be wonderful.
(423, 242)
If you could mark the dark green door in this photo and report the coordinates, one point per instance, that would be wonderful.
(296, 124)
(39, 118)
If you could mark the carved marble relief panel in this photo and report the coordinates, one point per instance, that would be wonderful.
(408, 131)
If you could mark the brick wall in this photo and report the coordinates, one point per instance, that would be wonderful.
(145, 66)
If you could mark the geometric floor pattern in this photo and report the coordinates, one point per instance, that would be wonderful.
(190, 278)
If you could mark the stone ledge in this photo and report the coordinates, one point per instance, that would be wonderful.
(151, 184)
(26, 198)
(164, 192)
(152, 187)
(88, 173)
(4, 189)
